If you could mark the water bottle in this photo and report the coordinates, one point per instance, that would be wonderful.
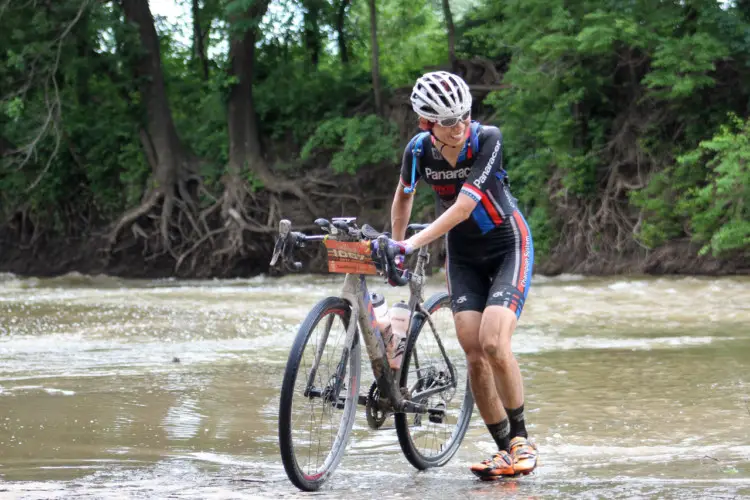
(382, 316)
(399, 316)
(381, 310)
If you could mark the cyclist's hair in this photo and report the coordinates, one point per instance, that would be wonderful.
(425, 124)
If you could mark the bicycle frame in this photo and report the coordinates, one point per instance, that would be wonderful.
(355, 291)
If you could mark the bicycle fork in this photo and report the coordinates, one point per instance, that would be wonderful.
(333, 387)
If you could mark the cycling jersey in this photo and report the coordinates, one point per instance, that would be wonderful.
(489, 256)
(478, 175)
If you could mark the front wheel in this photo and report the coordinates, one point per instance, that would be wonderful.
(431, 440)
(319, 395)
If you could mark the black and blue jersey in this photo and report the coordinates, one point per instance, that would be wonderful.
(478, 175)
(489, 256)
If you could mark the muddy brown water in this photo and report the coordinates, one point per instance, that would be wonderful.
(110, 388)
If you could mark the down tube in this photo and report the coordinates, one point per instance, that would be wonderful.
(372, 336)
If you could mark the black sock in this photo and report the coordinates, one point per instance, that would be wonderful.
(500, 432)
(517, 423)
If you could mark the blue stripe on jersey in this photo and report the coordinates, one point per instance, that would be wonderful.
(482, 218)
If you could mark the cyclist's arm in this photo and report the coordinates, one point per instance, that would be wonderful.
(456, 214)
(401, 212)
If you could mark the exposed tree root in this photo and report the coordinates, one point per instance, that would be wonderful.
(195, 246)
(174, 230)
(133, 214)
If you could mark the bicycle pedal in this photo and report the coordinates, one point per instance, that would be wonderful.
(437, 415)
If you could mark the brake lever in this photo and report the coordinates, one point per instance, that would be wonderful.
(341, 226)
(284, 247)
(388, 264)
(382, 242)
(279, 247)
(289, 263)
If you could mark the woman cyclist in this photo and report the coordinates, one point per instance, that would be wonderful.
(489, 254)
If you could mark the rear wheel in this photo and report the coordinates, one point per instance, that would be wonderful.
(319, 401)
(431, 440)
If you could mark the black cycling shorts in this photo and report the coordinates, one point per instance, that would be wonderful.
(491, 269)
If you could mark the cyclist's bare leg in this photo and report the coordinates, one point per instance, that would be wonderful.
(488, 402)
(498, 324)
(468, 327)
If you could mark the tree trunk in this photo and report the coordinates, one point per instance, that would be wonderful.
(244, 137)
(451, 35)
(375, 59)
(162, 145)
(169, 151)
(743, 7)
(312, 30)
(341, 35)
(245, 155)
(199, 46)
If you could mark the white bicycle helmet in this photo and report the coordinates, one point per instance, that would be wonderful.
(440, 94)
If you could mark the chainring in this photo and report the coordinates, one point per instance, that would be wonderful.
(375, 416)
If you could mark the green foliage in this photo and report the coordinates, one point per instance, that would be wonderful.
(594, 89)
(591, 83)
(682, 66)
(293, 100)
(706, 194)
(355, 142)
(720, 210)
(411, 35)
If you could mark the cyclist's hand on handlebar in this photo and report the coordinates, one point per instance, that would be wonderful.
(389, 258)
(399, 261)
(406, 247)
(396, 248)
(400, 247)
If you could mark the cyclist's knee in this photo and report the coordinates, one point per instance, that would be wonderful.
(467, 329)
(494, 347)
(478, 362)
(495, 333)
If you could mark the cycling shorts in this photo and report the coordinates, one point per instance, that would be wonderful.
(490, 269)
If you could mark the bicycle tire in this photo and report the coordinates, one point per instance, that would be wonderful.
(402, 420)
(303, 480)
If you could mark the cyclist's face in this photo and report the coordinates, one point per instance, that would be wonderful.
(452, 136)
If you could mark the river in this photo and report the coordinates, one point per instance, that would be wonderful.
(113, 388)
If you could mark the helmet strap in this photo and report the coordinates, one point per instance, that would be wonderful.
(434, 138)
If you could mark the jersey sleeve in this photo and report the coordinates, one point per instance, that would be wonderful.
(406, 167)
(488, 163)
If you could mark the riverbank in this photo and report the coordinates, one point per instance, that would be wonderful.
(89, 256)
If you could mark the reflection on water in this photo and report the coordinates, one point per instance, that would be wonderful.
(112, 388)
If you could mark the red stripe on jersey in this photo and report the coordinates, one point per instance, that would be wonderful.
(491, 210)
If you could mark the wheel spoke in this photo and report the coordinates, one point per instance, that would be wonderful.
(314, 426)
(432, 439)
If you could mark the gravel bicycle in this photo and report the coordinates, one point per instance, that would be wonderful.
(429, 395)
